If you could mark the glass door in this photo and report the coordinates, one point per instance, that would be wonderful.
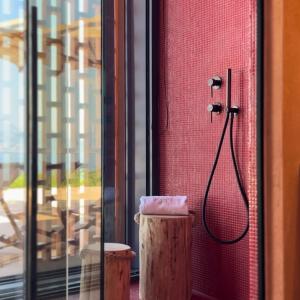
(51, 174)
(65, 82)
(12, 148)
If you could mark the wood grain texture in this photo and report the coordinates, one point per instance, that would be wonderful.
(165, 257)
(282, 149)
(117, 267)
(117, 274)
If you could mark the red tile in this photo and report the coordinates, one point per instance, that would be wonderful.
(200, 39)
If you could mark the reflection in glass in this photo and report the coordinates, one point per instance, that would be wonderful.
(69, 147)
(12, 148)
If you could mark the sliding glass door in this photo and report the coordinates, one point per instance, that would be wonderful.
(50, 149)
(12, 148)
(65, 81)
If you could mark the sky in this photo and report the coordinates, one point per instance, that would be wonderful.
(12, 93)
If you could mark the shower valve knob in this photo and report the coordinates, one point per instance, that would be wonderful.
(214, 108)
(214, 83)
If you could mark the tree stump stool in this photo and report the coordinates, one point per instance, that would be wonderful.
(117, 266)
(165, 256)
(118, 259)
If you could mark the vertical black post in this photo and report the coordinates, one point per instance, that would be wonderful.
(130, 123)
(102, 161)
(260, 146)
(149, 183)
(108, 116)
(32, 153)
(154, 46)
(108, 126)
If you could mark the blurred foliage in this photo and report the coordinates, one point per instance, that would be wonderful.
(77, 178)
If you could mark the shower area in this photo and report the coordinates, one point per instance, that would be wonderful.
(198, 41)
(106, 101)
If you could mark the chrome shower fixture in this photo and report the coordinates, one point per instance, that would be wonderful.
(231, 112)
(214, 83)
(214, 108)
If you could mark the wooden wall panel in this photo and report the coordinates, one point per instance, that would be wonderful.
(282, 150)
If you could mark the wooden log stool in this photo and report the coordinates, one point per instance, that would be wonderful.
(117, 266)
(118, 259)
(165, 256)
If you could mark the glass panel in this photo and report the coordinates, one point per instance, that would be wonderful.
(69, 149)
(12, 148)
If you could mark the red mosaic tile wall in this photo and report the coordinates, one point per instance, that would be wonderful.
(201, 39)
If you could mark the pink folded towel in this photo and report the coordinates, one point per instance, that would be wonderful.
(164, 205)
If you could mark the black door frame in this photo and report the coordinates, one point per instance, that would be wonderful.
(31, 152)
(260, 146)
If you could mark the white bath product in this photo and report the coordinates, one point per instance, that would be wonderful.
(164, 205)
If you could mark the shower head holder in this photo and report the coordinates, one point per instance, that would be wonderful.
(234, 109)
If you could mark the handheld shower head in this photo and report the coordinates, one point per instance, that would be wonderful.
(228, 90)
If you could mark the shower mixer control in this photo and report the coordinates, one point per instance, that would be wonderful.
(214, 83)
(214, 108)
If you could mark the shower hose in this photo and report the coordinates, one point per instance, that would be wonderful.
(230, 115)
